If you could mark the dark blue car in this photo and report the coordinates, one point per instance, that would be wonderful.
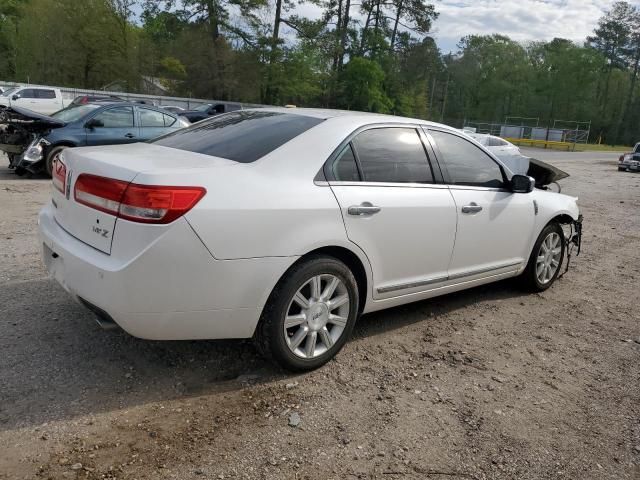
(32, 140)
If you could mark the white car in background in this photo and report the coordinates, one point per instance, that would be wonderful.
(287, 225)
(496, 145)
(37, 99)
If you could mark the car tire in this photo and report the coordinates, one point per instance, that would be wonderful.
(309, 315)
(546, 259)
(50, 156)
(621, 169)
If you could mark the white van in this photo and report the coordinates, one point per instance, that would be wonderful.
(38, 99)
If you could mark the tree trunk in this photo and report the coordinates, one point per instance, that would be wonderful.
(630, 96)
(336, 50)
(214, 26)
(363, 35)
(345, 31)
(395, 26)
(273, 54)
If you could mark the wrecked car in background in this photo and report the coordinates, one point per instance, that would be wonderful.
(630, 162)
(32, 140)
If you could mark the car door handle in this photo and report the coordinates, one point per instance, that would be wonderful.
(473, 207)
(365, 208)
(129, 135)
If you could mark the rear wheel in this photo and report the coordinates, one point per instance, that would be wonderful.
(309, 315)
(546, 259)
(51, 157)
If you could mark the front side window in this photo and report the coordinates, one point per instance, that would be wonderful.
(466, 163)
(151, 118)
(119, 117)
(243, 136)
(27, 93)
(394, 155)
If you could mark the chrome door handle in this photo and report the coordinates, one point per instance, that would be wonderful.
(473, 207)
(365, 208)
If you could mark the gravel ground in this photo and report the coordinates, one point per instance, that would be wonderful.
(487, 383)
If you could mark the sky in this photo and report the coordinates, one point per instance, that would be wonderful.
(522, 20)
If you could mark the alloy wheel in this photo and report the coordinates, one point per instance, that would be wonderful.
(316, 316)
(548, 259)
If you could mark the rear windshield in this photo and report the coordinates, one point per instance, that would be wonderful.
(243, 136)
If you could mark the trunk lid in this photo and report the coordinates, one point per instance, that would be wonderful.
(118, 162)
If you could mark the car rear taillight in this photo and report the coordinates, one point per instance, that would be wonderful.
(138, 203)
(59, 175)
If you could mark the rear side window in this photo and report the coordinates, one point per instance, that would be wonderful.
(119, 117)
(43, 93)
(169, 120)
(393, 155)
(466, 163)
(243, 136)
(344, 168)
(151, 118)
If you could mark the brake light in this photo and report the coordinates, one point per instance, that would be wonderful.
(59, 175)
(134, 202)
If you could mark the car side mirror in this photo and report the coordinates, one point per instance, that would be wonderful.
(93, 123)
(522, 184)
(15, 96)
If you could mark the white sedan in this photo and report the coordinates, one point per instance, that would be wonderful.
(287, 225)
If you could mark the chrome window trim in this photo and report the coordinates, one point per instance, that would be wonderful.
(443, 164)
(384, 184)
(428, 151)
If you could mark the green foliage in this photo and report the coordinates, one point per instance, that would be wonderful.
(362, 87)
(370, 55)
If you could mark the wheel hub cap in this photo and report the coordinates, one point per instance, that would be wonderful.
(317, 316)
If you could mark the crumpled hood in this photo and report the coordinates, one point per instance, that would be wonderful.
(29, 120)
(544, 173)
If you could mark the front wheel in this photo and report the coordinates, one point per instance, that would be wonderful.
(546, 259)
(51, 156)
(309, 315)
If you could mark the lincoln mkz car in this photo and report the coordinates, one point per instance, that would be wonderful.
(285, 226)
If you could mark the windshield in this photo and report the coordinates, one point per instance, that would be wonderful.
(9, 91)
(637, 149)
(203, 108)
(71, 114)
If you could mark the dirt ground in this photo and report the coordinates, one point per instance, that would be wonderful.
(483, 384)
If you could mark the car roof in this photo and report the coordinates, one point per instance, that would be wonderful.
(362, 118)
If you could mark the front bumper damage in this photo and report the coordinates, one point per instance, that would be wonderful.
(573, 241)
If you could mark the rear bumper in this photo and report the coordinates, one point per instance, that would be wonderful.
(173, 290)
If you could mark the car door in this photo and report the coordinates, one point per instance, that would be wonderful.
(48, 101)
(113, 125)
(25, 98)
(393, 209)
(494, 226)
(154, 123)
